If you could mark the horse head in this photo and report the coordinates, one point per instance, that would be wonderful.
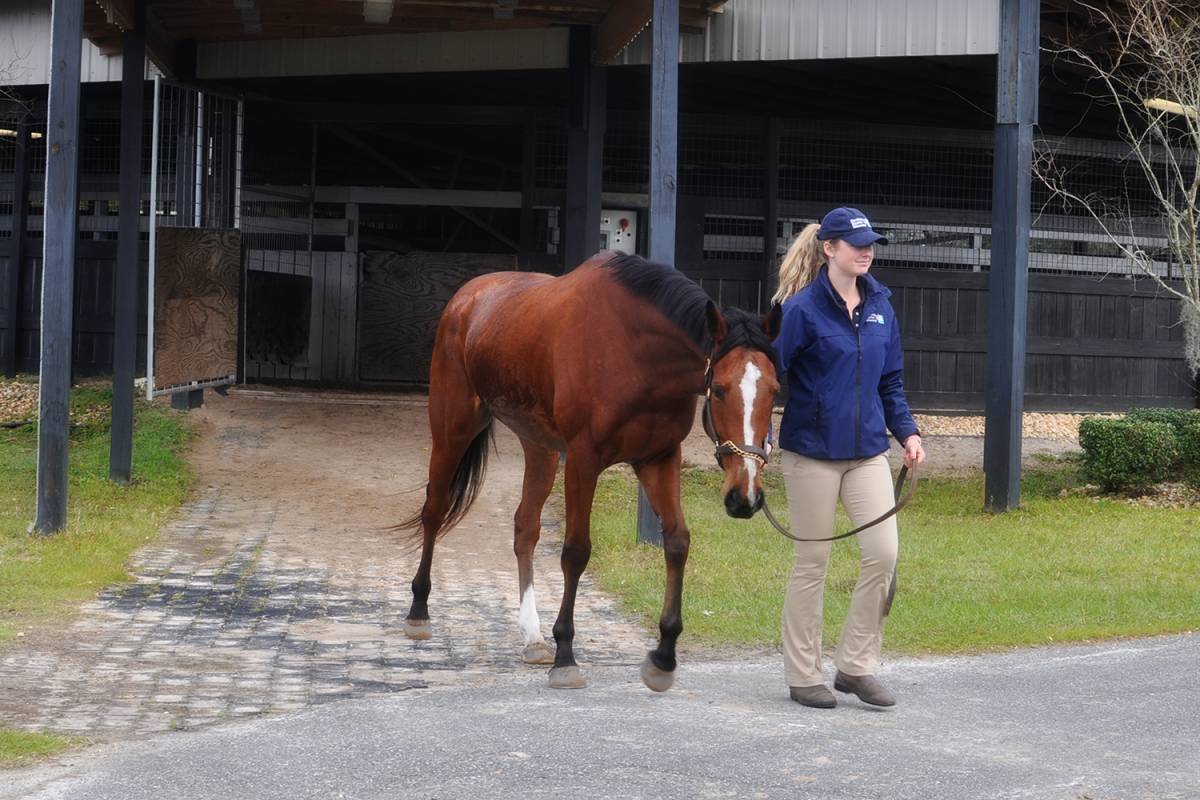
(740, 386)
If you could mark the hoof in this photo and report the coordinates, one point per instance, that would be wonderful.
(567, 678)
(656, 680)
(418, 629)
(538, 653)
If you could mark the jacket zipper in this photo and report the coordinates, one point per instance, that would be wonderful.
(858, 386)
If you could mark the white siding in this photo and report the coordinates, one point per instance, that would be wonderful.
(749, 30)
(792, 30)
(25, 48)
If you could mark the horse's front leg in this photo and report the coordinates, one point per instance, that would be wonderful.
(580, 489)
(660, 479)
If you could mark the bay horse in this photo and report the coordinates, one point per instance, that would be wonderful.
(605, 364)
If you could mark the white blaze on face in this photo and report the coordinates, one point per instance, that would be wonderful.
(749, 387)
(528, 619)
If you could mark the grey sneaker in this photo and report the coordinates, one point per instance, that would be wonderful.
(868, 689)
(813, 696)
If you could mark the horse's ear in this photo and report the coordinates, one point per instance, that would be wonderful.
(718, 328)
(770, 322)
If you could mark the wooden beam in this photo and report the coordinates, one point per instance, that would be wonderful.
(61, 207)
(125, 281)
(588, 103)
(664, 162)
(1008, 280)
(621, 25)
(771, 215)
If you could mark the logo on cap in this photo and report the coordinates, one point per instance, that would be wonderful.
(860, 222)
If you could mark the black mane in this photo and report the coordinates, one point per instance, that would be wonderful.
(683, 302)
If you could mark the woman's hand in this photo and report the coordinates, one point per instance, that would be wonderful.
(914, 453)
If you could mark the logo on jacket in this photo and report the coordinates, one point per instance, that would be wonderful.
(876, 318)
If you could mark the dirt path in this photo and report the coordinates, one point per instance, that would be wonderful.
(280, 586)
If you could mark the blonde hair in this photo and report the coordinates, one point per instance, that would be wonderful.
(800, 264)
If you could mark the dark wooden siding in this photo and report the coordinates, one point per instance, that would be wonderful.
(94, 307)
(1092, 344)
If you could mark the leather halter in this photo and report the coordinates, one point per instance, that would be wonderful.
(727, 447)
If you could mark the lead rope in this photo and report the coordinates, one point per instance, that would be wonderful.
(901, 502)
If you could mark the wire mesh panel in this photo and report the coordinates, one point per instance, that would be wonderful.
(195, 249)
(198, 158)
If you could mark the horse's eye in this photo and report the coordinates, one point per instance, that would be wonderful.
(718, 393)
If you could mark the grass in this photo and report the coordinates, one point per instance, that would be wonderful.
(44, 578)
(1061, 569)
(19, 748)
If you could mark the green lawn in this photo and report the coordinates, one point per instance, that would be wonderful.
(1060, 569)
(18, 748)
(43, 578)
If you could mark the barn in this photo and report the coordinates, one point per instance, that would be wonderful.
(319, 177)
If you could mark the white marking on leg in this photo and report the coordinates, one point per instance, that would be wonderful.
(749, 393)
(531, 625)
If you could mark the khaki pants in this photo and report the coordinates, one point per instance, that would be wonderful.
(813, 487)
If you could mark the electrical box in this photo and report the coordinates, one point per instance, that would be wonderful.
(618, 230)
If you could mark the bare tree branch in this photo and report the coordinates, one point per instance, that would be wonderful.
(1146, 67)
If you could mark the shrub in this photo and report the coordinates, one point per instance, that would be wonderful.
(1177, 418)
(1189, 444)
(1127, 454)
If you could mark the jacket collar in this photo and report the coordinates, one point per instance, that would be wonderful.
(867, 286)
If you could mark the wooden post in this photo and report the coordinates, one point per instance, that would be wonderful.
(588, 103)
(770, 214)
(528, 187)
(133, 89)
(1016, 113)
(58, 263)
(664, 144)
(17, 262)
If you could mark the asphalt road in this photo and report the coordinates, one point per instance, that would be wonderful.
(1115, 720)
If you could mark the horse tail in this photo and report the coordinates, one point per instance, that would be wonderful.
(464, 486)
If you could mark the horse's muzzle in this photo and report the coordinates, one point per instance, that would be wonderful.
(737, 506)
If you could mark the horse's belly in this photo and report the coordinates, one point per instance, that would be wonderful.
(530, 424)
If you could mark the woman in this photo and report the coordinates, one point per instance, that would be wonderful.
(839, 344)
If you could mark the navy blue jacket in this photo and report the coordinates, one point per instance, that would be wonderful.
(845, 384)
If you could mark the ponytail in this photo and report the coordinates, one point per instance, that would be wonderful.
(800, 264)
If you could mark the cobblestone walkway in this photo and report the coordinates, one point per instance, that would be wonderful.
(280, 587)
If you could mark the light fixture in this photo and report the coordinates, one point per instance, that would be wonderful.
(378, 11)
(11, 133)
(1171, 107)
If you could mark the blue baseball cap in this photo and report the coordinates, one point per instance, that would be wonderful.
(850, 225)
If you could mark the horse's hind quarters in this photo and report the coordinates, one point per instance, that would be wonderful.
(418, 629)
(737, 506)
(656, 680)
(569, 677)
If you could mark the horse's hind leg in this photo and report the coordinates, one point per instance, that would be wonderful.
(580, 487)
(541, 465)
(661, 482)
(459, 424)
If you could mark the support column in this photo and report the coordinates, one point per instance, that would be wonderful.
(1016, 113)
(58, 263)
(664, 151)
(770, 215)
(585, 151)
(528, 187)
(17, 262)
(133, 90)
